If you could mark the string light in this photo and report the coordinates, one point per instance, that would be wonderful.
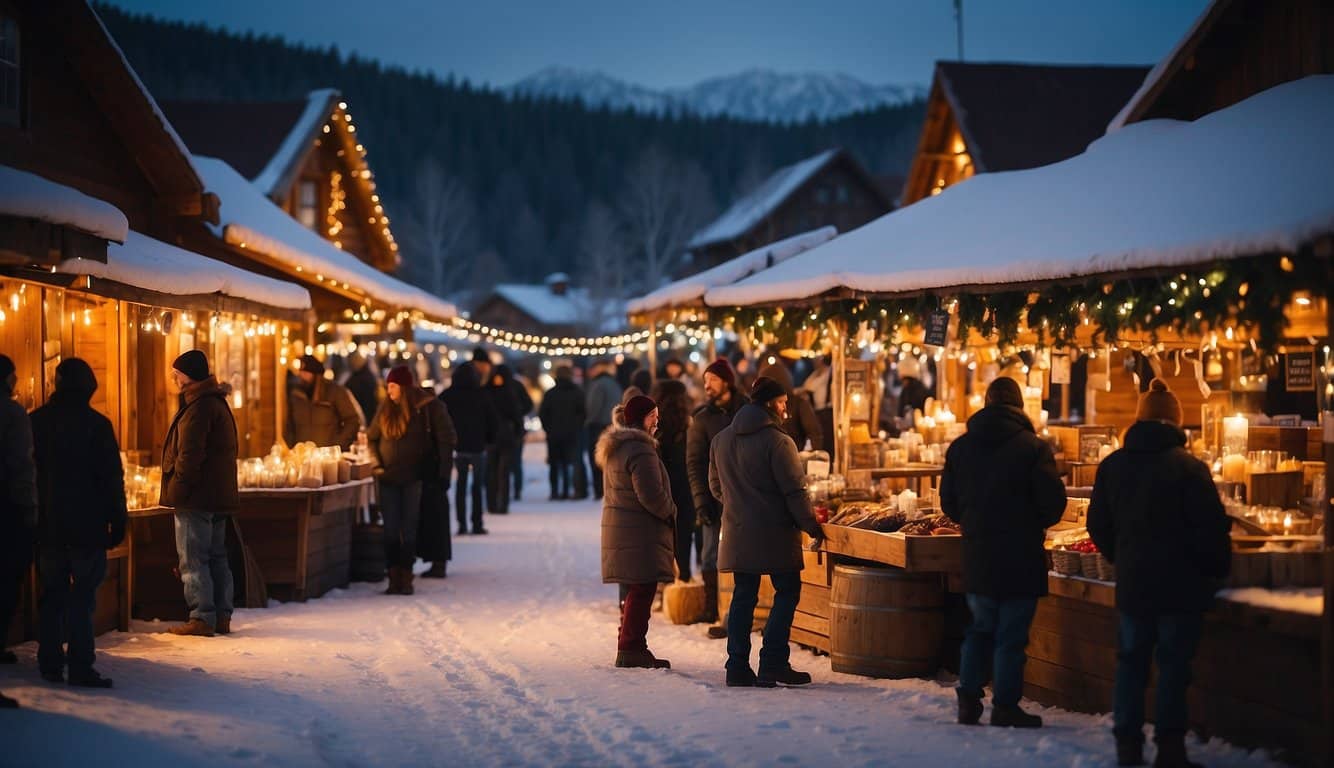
(568, 346)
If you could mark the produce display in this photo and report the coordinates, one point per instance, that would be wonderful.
(887, 518)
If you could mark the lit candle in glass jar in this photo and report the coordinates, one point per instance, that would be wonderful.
(1235, 429)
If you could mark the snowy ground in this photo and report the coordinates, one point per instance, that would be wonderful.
(508, 662)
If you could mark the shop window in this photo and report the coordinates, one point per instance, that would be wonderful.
(308, 202)
(9, 71)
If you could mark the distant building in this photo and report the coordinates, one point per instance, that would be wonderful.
(831, 188)
(554, 308)
(984, 118)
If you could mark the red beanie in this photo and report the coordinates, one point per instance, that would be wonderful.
(402, 376)
(723, 370)
(637, 409)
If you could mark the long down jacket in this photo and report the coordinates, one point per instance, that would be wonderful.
(638, 516)
(754, 471)
(1001, 486)
(199, 455)
(328, 415)
(1156, 515)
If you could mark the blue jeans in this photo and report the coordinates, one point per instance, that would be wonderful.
(70, 577)
(999, 634)
(1169, 640)
(201, 544)
(401, 508)
(708, 557)
(464, 463)
(775, 651)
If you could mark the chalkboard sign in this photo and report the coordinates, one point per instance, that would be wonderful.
(937, 328)
(1299, 371)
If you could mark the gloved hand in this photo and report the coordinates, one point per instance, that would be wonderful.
(816, 543)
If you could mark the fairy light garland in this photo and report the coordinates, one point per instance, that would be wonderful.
(463, 328)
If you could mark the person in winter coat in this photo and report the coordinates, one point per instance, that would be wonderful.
(364, 385)
(18, 501)
(562, 415)
(409, 439)
(475, 423)
(199, 481)
(820, 386)
(433, 541)
(604, 394)
(81, 514)
(754, 471)
(1155, 513)
(724, 400)
(320, 411)
(800, 423)
(1001, 486)
(673, 422)
(913, 395)
(525, 402)
(638, 525)
(509, 427)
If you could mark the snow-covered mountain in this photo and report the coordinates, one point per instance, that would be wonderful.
(756, 94)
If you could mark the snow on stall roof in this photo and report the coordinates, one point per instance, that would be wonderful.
(691, 290)
(1244, 180)
(298, 139)
(29, 196)
(249, 219)
(575, 308)
(144, 262)
(1159, 69)
(750, 209)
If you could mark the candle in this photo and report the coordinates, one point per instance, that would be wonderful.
(1235, 430)
(1287, 524)
(1234, 468)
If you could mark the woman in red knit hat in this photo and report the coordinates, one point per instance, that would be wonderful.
(638, 523)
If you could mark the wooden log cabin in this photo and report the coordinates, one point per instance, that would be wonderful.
(830, 188)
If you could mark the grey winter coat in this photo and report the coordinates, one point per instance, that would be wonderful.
(754, 471)
(638, 516)
(707, 422)
(604, 394)
(327, 416)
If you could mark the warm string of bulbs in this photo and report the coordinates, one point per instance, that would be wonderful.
(567, 346)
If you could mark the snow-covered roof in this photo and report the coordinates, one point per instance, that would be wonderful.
(248, 219)
(574, 308)
(318, 104)
(1160, 69)
(691, 290)
(29, 196)
(144, 262)
(1248, 179)
(751, 209)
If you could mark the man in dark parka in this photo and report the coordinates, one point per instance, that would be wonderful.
(320, 411)
(1155, 513)
(1001, 486)
(18, 501)
(754, 471)
(81, 514)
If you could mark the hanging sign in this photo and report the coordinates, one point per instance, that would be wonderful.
(937, 328)
(1060, 369)
(1299, 371)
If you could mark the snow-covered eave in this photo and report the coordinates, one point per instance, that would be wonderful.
(1184, 47)
(276, 174)
(750, 212)
(27, 195)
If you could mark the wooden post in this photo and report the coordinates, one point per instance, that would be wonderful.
(1327, 617)
(838, 361)
(653, 349)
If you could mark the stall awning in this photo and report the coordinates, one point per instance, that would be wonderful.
(165, 271)
(1249, 179)
(29, 196)
(248, 219)
(690, 291)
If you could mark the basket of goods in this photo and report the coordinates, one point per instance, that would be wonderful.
(931, 525)
(869, 516)
(1106, 571)
(1068, 560)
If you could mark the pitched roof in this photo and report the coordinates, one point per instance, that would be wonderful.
(1153, 83)
(752, 208)
(1015, 116)
(573, 308)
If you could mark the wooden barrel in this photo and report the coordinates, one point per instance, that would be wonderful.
(885, 622)
(726, 584)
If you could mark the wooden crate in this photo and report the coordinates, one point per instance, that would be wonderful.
(302, 538)
(1274, 489)
(911, 553)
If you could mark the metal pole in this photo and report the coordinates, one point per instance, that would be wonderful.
(958, 24)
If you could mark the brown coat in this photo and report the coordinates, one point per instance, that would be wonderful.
(328, 416)
(754, 471)
(199, 456)
(426, 447)
(638, 515)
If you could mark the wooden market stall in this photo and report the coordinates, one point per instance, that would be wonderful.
(1225, 297)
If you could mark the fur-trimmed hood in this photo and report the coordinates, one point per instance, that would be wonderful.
(617, 435)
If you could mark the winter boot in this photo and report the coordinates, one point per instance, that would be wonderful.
(1130, 751)
(224, 625)
(970, 707)
(740, 678)
(786, 676)
(1013, 717)
(436, 571)
(405, 581)
(716, 632)
(8, 703)
(53, 675)
(394, 581)
(463, 530)
(89, 679)
(1172, 751)
(710, 596)
(641, 659)
(196, 627)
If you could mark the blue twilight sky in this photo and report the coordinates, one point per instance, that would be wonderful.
(680, 42)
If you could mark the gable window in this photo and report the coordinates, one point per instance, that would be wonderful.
(308, 202)
(822, 195)
(843, 193)
(9, 70)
